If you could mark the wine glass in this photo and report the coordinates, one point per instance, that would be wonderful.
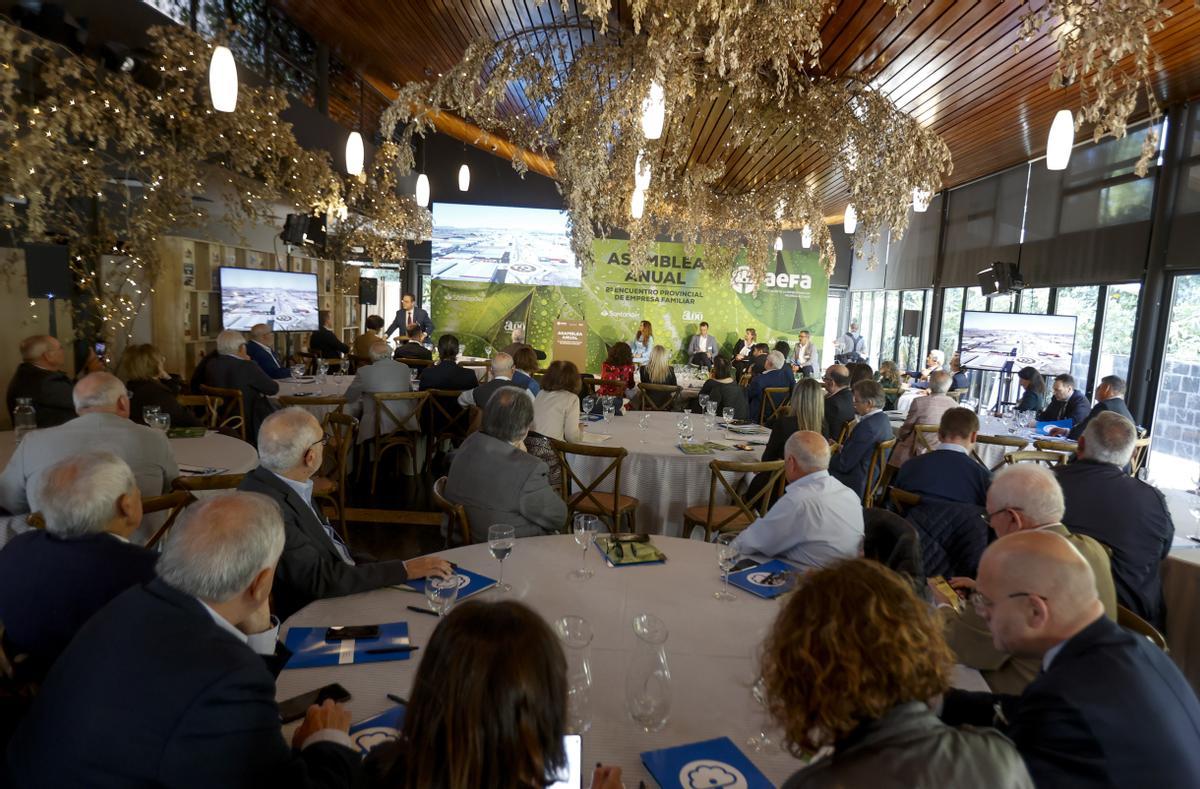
(297, 371)
(703, 400)
(727, 554)
(710, 420)
(585, 528)
(727, 415)
(159, 421)
(500, 542)
(589, 403)
(610, 408)
(761, 741)
(643, 426)
(441, 592)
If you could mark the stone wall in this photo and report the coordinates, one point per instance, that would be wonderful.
(1177, 421)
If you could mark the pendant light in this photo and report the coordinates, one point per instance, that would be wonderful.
(641, 172)
(423, 190)
(1058, 144)
(223, 80)
(921, 198)
(464, 178)
(654, 112)
(806, 237)
(851, 220)
(637, 204)
(354, 154)
(778, 243)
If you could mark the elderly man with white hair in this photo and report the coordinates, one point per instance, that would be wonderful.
(383, 374)
(776, 375)
(40, 378)
(56, 578)
(231, 368)
(168, 673)
(316, 563)
(817, 521)
(261, 350)
(502, 375)
(103, 423)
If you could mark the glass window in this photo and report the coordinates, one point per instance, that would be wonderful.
(1116, 334)
(1035, 301)
(975, 300)
(952, 303)
(1080, 302)
(1000, 303)
(873, 331)
(1175, 439)
(891, 317)
(833, 313)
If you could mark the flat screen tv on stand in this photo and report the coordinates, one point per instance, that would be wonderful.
(284, 300)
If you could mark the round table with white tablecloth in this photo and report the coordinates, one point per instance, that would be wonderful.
(656, 472)
(710, 648)
(220, 453)
(309, 386)
(992, 455)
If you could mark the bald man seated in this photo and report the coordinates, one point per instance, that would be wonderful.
(1109, 708)
(40, 378)
(817, 521)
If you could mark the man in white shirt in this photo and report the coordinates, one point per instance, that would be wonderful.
(852, 347)
(819, 520)
(804, 358)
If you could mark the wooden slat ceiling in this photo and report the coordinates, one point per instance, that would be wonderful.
(950, 63)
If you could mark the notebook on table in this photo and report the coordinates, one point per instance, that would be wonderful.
(310, 649)
(767, 580)
(624, 552)
(469, 583)
(1043, 428)
(703, 765)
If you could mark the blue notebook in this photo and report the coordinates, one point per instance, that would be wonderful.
(311, 650)
(711, 764)
(1043, 428)
(768, 580)
(382, 728)
(469, 583)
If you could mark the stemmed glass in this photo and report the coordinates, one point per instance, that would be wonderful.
(159, 421)
(441, 592)
(727, 415)
(643, 426)
(500, 543)
(609, 408)
(703, 400)
(297, 371)
(727, 554)
(585, 528)
(589, 403)
(762, 740)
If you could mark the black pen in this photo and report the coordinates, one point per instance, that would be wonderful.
(393, 650)
(420, 610)
(1193, 539)
(403, 702)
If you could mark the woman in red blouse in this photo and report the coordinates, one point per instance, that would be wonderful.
(617, 367)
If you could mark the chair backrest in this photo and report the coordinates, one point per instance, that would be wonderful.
(36, 520)
(923, 433)
(1141, 448)
(844, 433)
(486, 367)
(753, 507)
(774, 398)
(877, 470)
(337, 402)
(409, 423)
(309, 360)
(1065, 448)
(955, 395)
(893, 542)
(207, 408)
(357, 361)
(745, 378)
(1015, 442)
(610, 384)
(343, 429)
(233, 413)
(208, 482)
(658, 397)
(1131, 621)
(902, 500)
(448, 420)
(587, 490)
(174, 501)
(455, 513)
(1034, 456)
(415, 363)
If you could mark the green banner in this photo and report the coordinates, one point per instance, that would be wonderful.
(675, 293)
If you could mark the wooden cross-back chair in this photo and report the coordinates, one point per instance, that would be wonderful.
(844, 433)
(343, 430)
(589, 500)
(357, 362)
(610, 383)
(1131, 621)
(659, 397)
(1141, 448)
(206, 407)
(416, 364)
(175, 502)
(1014, 443)
(232, 414)
(903, 500)
(741, 511)
(879, 473)
(925, 435)
(456, 514)
(1065, 448)
(774, 398)
(446, 420)
(309, 360)
(408, 427)
(1033, 456)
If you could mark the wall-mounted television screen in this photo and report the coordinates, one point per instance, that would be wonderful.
(284, 300)
(501, 244)
(1006, 342)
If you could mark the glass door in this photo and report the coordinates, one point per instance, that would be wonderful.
(1175, 439)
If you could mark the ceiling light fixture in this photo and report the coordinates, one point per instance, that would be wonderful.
(354, 154)
(223, 80)
(637, 204)
(654, 112)
(423, 190)
(806, 237)
(850, 222)
(1058, 144)
(464, 178)
(921, 199)
(778, 243)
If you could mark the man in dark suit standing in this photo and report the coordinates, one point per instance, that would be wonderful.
(949, 472)
(261, 350)
(1128, 516)
(1110, 396)
(839, 401)
(39, 377)
(56, 578)
(316, 563)
(850, 463)
(1108, 708)
(231, 368)
(408, 314)
(323, 342)
(1067, 403)
(163, 687)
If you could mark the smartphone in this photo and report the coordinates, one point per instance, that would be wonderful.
(573, 745)
(100, 348)
(355, 631)
(744, 564)
(293, 709)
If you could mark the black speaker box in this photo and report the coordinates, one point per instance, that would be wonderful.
(48, 270)
(368, 291)
(912, 324)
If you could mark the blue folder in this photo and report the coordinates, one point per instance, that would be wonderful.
(768, 580)
(704, 765)
(474, 584)
(311, 650)
(378, 730)
(1043, 427)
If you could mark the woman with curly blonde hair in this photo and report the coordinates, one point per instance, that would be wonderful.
(852, 662)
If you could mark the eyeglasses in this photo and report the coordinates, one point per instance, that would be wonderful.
(986, 517)
(982, 605)
(323, 440)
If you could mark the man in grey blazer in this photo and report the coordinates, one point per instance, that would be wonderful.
(383, 374)
(703, 347)
(103, 423)
(497, 480)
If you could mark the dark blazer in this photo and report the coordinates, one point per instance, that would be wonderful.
(1114, 404)
(326, 343)
(839, 409)
(770, 378)
(1111, 711)
(484, 391)
(412, 350)
(147, 391)
(53, 585)
(310, 567)
(1128, 516)
(781, 430)
(959, 380)
(420, 316)
(51, 393)
(952, 536)
(727, 395)
(945, 474)
(849, 464)
(182, 703)
(267, 360)
(1074, 407)
(231, 372)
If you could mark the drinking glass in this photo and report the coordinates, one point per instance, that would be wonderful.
(610, 408)
(710, 421)
(727, 415)
(500, 543)
(159, 421)
(585, 528)
(643, 426)
(297, 371)
(762, 740)
(685, 428)
(648, 678)
(441, 593)
(589, 403)
(727, 554)
(575, 633)
(703, 400)
(150, 410)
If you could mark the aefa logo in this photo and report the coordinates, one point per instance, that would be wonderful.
(743, 281)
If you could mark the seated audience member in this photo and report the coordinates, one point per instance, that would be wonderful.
(502, 376)
(949, 472)
(56, 578)
(505, 670)
(323, 342)
(168, 672)
(617, 366)
(555, 415)
(658, 371)
(926, 410)
(758, 358)
(1108, 708)
(1023, 497)
(1123, 513)
(959, 379)
(383, 374)
(518, 342)
(103, 422)
(889, 375)
(1110, 396)
(1033, 387)
(935, 361)
(850, 463)
(839, 401)
(447, 376)
(817, 521)
(413, 346)
(872, 707)
(497, 480)
(315, 564)
(39, 377)
(702, 348)
(776, 375)
(525, 364)
(231, 368)
(372, 333)
(149, 383)
(805, 411)
(860, 371)
(261, 351)
(783, 347)
(724, 390)
(1067, 403)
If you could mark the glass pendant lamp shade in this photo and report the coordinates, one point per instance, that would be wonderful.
(806, 237)
(354, 154)
(654, 112)
(1058, 144)
(637, 204)
(851, 219)
(223, 80)
(464, 178)
(423, 190)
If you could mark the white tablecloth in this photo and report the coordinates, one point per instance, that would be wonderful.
(663, 479)
(991, 454)
(210, 450)
(333, 386)
(1181, 586)
(710, 649)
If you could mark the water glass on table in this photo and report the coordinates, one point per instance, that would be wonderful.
(159, 421)
(589, 403)
(727, 554)
(500, 542)
(727, 414)
(585, 528)
(609, 408)
(297, 371)
(441, 592)
(643, 426)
